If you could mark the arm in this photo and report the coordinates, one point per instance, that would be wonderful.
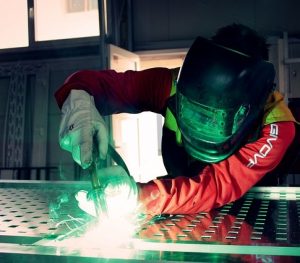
(86, 95)
(223, 182)
(131, 91)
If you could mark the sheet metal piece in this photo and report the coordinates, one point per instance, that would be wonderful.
(264, 223)
(39, 209)
(266, 218)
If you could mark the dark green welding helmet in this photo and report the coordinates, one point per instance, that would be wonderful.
(220, 95)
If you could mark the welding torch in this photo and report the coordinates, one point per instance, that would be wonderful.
(97, 194)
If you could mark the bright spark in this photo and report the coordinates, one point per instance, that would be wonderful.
(113, 230)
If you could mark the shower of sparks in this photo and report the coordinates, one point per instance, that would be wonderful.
(55, 207)
(113, 230)
(71, 223)
(109, 233)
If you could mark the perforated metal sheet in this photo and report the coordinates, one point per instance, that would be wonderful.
(39, 210)
(268, 217)
(266, 221)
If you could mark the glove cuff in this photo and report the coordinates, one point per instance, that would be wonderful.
(77, 99)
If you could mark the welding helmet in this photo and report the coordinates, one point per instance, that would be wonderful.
(220, 95)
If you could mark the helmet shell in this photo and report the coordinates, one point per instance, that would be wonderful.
(221, 93)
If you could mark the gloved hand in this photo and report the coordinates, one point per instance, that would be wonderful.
(81, 126)
(119, 190)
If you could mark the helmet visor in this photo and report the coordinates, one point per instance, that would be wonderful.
(207, 129)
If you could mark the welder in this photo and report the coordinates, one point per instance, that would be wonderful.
(226, 126)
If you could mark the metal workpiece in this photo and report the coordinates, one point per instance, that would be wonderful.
(42, 221)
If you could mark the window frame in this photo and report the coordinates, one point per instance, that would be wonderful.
(55, 48)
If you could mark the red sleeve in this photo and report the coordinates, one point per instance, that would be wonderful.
(131, 91)
(223, 182)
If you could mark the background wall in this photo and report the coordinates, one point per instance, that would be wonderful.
(176, 22)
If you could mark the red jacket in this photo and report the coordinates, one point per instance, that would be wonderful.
(215, 184)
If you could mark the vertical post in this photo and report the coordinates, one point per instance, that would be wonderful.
(129, 25)
(40, 117)
(31, 30)
(103, 50)
(282, 70)
(102, 37)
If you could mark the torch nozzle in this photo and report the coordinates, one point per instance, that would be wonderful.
(97, 194)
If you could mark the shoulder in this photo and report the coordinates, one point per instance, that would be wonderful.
(276, 110)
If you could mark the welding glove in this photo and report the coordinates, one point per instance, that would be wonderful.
(82, 129)
(119, 191)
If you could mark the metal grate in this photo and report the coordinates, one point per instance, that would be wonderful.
(257, 218)
(265, 220)
(35, 212)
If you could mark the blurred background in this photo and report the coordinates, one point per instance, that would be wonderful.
(42, 42)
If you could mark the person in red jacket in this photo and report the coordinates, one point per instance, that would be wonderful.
(225, 125)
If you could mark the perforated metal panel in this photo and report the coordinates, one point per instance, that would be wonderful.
(39, 210)
(271, 218)
(265, 223)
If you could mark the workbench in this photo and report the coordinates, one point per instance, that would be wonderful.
(37, 217)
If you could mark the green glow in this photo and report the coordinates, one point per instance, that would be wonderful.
(67, 144)
(216, 248)
(119, 195)
(121, 199)
(54, 207)
(211, 123)
(66, 141)
(121, 220)
(85, 204)
(207, 131)
(117, 206)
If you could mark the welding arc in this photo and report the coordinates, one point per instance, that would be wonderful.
(97, 194)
